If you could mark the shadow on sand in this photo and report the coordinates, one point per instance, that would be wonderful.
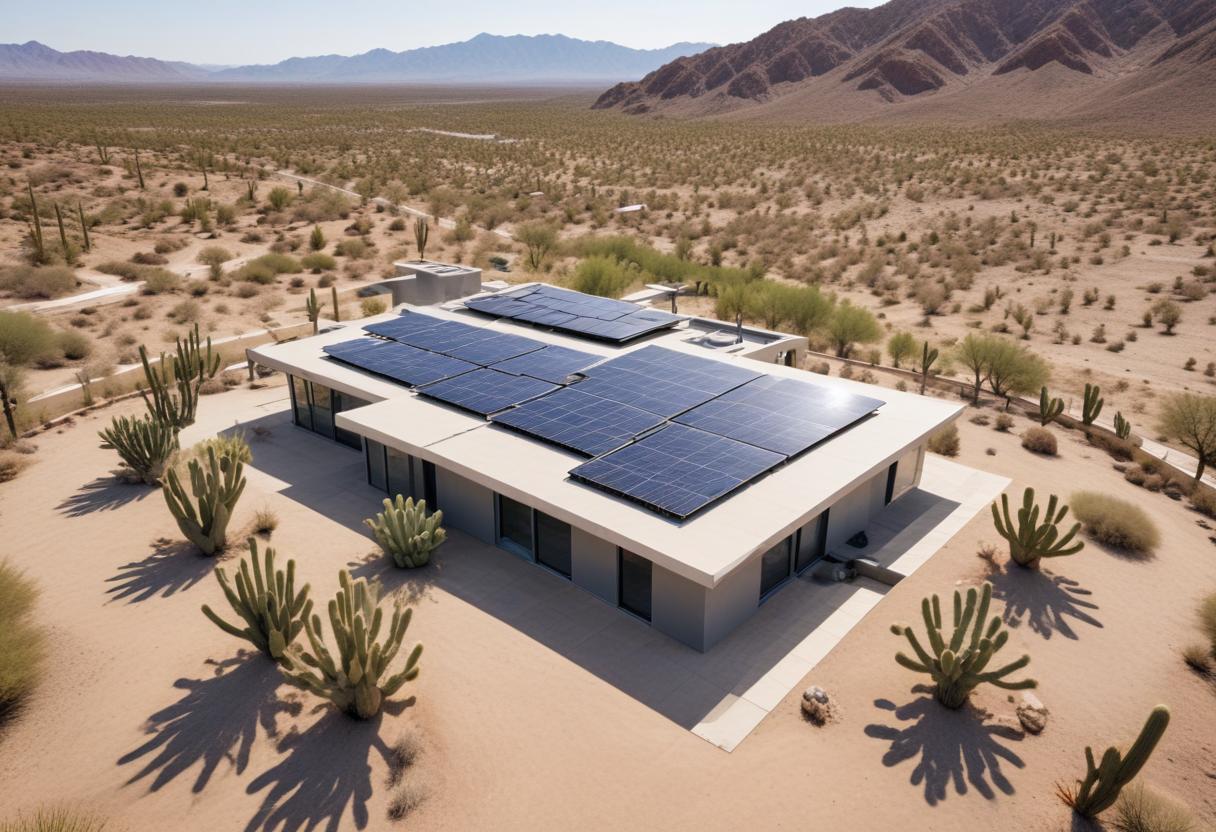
(216, 719)
(173, 566)
(409, 585)
(950, 748)
(1042, 601)
(103, 494)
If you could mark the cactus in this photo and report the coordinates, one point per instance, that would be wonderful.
(251, 188)
(421, 232)
(313, 309)
(405, 533)
(139, 171)
(84, 227)
(1030, 540)
(266, 598)
(68, 256)
(927, 359)
(333, 294)
(103, 154)
(1123, 428)
(1049, 408)
(145, 445)
(193, 361)
(216, 490)
(1103, 782)
(356, 679)
(174, 408)
(958, 668)
(36, 227)
(1092, 404)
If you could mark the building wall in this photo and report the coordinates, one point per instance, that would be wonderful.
(734, 600)
(466, 505)
(852, 512)
(677, 607)
(593, 564)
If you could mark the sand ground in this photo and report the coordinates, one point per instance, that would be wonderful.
(152, 716)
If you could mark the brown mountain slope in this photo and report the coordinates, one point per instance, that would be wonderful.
(971, 58)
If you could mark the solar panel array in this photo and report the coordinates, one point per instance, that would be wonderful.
(399, 362)
(551, 363)
(604, 319)
(484, 391)
(579, 421)
(662, 381)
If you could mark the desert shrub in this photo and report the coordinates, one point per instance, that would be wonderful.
(255, 272)
(37, 281)
(212, 386)
(353, 248)
(372, 306)
(149, 258)
(1207, 619)
(75, 346)
(159, 281)
(1118, 448)
(230, 445)
(127, 271)
(1140, 809)
(1114, 522)
(265, 521)
(945, 441)
(25, 339)
(1203, 500)
(1039, 441)
(54, 820)
(11, 464)
(317, 262)
(21, 641)
(279, 263)
(1003, 423)
(214, 257)
(602, 276)
(1198, 657)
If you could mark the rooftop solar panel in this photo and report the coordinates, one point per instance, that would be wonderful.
(677, 470)
(578, 421)
(780, 414)
(486, 391)
(403, 325)
(605, 319)
(495, 347)
(445, 336)
(399, 362)
(550, 363)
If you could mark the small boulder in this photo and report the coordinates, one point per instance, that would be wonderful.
(816, 704)
(1032, 713)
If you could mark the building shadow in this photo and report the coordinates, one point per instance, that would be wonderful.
(949, 750)
(411, 586)
(104, 494)
(173, 566)
(1043, 602)
(216, 719)
(325, 772)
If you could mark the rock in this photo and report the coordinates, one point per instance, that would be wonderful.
(816, 704)
(1032, 713)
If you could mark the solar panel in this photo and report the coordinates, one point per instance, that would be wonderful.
(780, 414)
(663, 381)
(550, 363)
(677, 470)
(486, 391)
(445, 336)
(495, 347)
(595, 317)
(398, 362)
(405, 324)
(583, 423)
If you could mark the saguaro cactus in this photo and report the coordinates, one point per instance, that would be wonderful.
(958, 665)
(1103, 782)
(194, 360)
(422, 232)
(333, 294)
(84, 228)
(355, 679)
(36, 238)
(216, 491)
(145, 445)
(1092, 404)
(266, 599)
(927, 360)
(313, 309)
(1123, 428)
(1049, 408)
(405, 533)
(1029, 540)
(171, 398)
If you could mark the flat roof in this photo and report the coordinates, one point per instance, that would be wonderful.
(703, 548)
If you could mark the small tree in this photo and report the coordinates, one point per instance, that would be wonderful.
(852, 325)
(901, 345)
(1169, 314)
(1191, 420)
(214, 257)
(1014, 370)
(974, 353)
(539, 238)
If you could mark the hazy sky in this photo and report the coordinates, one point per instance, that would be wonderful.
(266, 31)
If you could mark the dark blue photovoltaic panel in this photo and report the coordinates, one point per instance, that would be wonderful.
(486, 391)
(403, 325)
(398, 362)
(781, 414)
(551, 363)
(602, 318)
(495, 347)
(586, 424)
(677, 470)
(663, 381)
(446, 336)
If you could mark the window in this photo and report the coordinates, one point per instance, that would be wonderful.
(322, 411)
(377, 465)
(553, 543)
(812, 542)
(774, 567)
(299, 401)
(343, 402)
(515, 527)
(430, 492)
(634, 584)
(399, 480)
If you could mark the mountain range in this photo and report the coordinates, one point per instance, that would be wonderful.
(483, 59)
(1117, 61)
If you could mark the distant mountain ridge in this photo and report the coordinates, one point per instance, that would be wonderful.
(483, 59)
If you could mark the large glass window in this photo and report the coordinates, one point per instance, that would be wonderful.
(634, 583)
(774, 567)
(377, 471)
(553, 543)
(812, 539)
(343, 402)
(322, 411)
(515, 526)
(299, 400)
(399, 474)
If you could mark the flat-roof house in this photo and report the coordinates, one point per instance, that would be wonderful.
(678, 468)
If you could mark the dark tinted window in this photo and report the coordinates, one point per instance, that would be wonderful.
(515, 524)
(774, 567)
(635, 583)
(553, 543)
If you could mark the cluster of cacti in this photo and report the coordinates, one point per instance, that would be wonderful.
(406, 533)
(266, 599)
(356, 679)
(422, 232)
(1049, 408)
(1123, 428)
(958, 665)
(1091, 404)
(145, 445)
(1031, 540)
(193, 361)
(927, 360)
(1103, 782)
(216, 490)
(313, 309)
(170, 398)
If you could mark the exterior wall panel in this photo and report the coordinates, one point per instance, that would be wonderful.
(466, 505)
(735, 599)
(678, 607)
(594, 564)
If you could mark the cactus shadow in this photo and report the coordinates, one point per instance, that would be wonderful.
(173, 566)
(326, 772)
(1043, 602)
(103, 494)
(956, 750)
(217, 719)
(408, 585)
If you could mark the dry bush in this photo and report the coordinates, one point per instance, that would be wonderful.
(1198, 657)
(1140, 809)
(1120, 449)
(1116, 523)
(29, 282)
(21, 640)
(265, 521)
(1203, 500)
(54, 820)
(1207, 619)
(11, 464)
(945, 441)
(1040, 441)
(1003, 423)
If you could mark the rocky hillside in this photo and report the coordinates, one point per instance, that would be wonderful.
(855, 63)
(33, 61)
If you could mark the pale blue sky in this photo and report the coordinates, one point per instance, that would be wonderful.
(266, 31)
